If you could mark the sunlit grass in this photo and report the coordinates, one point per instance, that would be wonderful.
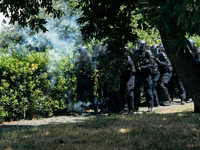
(175, 130)
(186, 108)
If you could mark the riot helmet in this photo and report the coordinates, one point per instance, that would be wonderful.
(154, 49)
(126, 50)
(150, 54)
(154, 46)
(191, 42)
(161, 47)
(141, 45)
(97, 48)
(162, 56)
(83, 50)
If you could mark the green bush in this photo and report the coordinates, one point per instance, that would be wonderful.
(26, 89)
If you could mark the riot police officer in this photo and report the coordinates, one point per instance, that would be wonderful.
(85, 82)
(101, 88)
(110, 100)
(166, 72)
(155, 73)
(143, 77)
(194, 49)
(182, 93)
(127, 81)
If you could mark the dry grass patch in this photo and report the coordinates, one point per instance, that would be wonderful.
(186, 108)
(177, 130)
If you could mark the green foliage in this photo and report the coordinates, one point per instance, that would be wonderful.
(196, 40)
(26, 13)
(36, 83)
(151, 36)
(26, 90)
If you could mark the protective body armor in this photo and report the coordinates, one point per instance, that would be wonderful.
(162, 57)
(129, 67)
(154, 70)
(196, 55)
(127, 82)
(143, 64)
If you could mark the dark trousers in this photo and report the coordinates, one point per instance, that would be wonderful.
(155, 79)
(176, 80)
(126, 91)
(144, 80)
(115, 104)
(165, 78)
(85, 84)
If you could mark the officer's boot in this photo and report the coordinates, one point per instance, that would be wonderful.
(165, 94)
(130, 101)
(183, 101)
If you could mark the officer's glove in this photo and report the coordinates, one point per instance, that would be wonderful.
(141, 68)
(157, 60)
(128, 69)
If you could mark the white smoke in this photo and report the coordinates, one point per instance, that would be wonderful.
(63, 36)
(78, 107)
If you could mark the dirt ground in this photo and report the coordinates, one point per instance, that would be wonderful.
(74, 118)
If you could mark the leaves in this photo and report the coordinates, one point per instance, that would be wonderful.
(25, 89)
(26, 13)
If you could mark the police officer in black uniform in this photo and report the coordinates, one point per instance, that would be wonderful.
(110, 100)
(155, 73)
(85, 81)
(195, 51)
(166, 72)
(143, 77)
(182, 93)
(127, 81)
(98, 50)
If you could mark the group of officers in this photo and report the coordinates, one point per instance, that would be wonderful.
(151, 70)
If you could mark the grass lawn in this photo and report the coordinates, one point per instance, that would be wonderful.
(170, 129)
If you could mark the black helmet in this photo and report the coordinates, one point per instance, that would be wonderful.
(154, 46)
(83, 50)
(141, 45)
(150, 54)
(126, 50)
(96, 49)
(161, 47)
(162, 56)
(154, 49)
(191, 42)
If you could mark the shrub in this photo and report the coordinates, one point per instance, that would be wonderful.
(26, 88)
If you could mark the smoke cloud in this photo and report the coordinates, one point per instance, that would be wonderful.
(63, 36)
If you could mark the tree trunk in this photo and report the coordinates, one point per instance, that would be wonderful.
(196, 109)
(185, 66)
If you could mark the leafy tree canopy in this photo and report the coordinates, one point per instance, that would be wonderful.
(26, 13)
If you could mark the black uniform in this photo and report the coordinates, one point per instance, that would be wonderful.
(155, 74)
(143, 77)
(182, 93)
(110, 99)
(127, 82)
(166, 72)
(85, 82)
